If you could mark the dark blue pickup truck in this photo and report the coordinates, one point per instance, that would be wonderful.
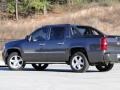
(76, 45)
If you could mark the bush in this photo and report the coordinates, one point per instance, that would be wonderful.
(28, 7)
(25, 6)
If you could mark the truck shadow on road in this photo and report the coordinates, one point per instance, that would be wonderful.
(4, 68)
(65, 70)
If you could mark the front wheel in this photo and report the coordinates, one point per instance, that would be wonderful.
(40, 67)
(79, 63)
(15, 61)
(104, 67)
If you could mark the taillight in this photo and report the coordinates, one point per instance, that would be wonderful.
(104, 44)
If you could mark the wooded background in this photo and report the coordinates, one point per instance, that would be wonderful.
(24, 8)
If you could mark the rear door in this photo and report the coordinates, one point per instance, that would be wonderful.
(56, 46)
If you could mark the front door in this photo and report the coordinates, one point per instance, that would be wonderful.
(34, 50)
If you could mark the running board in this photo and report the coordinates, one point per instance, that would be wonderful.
(46, 62)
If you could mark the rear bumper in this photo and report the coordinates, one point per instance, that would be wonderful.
(103, 57)
(112, 57)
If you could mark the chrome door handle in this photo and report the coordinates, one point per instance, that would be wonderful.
(61, 43)
(42, 44)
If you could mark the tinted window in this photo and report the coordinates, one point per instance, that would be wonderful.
(83, 31)
(94, 32)
(57, 33)
(41, 34)
(78, 31)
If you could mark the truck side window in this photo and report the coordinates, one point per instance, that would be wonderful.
(93, 32)
(87, 31)
(77, 31)
(41, 34)
(57, 33)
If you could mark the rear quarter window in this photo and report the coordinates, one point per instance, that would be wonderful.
(78, 31)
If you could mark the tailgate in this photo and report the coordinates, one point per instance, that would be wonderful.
(113, 44)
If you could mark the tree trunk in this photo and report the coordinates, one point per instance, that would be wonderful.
(16, 9)
(45, 7)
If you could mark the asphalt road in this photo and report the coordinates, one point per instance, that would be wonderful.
(59, 77)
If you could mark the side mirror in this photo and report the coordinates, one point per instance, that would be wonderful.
(28, 37)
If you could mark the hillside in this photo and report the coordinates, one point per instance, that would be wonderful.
(106, 19)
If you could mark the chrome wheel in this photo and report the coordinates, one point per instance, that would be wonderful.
(16, 62)
(77, 62)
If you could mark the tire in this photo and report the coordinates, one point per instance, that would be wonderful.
(40, 67)
(79, 63)
(104, 67)
(15, 61)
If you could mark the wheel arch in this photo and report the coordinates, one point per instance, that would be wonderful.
(11, 50)
(73, 50)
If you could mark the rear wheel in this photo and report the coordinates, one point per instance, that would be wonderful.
(40, 67)
(104, 67)
(15, 61)
(79, 63)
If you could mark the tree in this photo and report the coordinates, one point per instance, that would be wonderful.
(24, 6)
(16, 9)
